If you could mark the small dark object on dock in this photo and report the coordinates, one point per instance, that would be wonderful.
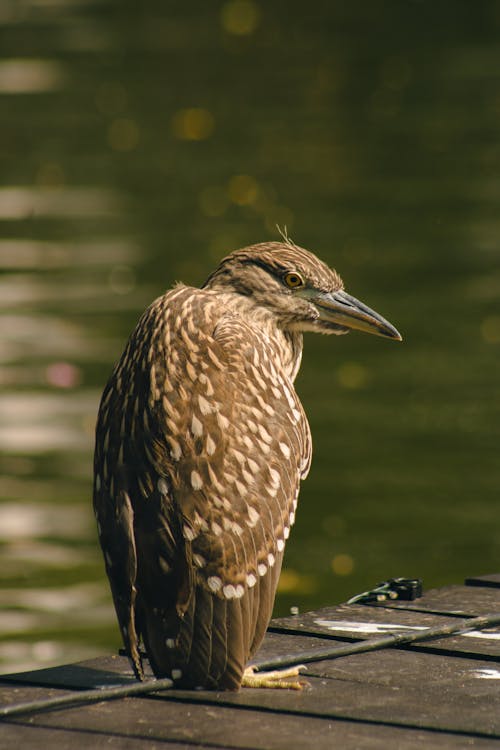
(405, 589)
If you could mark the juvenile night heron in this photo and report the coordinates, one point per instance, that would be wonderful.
(201, 444)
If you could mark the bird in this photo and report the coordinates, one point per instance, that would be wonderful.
(201, 446)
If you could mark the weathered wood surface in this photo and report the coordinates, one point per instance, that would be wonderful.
(361, 622)
(444, 695)
(491, 580)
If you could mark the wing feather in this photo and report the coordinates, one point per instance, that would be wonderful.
(205, 435)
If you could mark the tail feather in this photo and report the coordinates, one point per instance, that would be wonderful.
(237, 649)
(201, 638)
(210, 644)
(218, 658)
(265, 591)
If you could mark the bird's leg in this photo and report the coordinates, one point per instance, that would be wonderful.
(278, 678)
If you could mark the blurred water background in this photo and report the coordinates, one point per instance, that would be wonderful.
(139, 142)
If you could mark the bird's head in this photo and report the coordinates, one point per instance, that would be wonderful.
(302, 292)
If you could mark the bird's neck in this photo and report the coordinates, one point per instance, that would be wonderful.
(286, 344)
(292, 352)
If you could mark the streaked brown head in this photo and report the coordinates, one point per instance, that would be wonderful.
(302, 291)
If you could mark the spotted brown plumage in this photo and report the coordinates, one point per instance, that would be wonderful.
(201, 444)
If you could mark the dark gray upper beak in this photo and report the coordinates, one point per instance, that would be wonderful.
(344, 311)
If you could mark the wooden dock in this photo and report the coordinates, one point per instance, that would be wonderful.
(435, 693)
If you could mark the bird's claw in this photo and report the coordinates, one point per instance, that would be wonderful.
(278, 678)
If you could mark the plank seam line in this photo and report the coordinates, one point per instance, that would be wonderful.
(282, 630)
(107, 733)
(421, 610)
(327, 717)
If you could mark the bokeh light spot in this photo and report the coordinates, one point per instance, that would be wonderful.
(63, 375)
(50, 174)
(123, 135)
(352, 375)
(292, 582)
(243, 190)
(240, 17)
(342, 564)
(193, 124)
(46, 651)
(213, 201)
(490, 329)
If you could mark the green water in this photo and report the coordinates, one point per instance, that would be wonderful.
(139, 146)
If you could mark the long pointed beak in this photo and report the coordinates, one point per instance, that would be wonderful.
(346, 312)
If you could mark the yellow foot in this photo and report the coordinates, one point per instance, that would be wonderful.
(279, 678)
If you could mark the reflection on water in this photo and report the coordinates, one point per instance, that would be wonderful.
(26, 203)
(139, 147)
(34, 422)
(30, 76)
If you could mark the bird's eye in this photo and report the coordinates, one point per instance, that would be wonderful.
(293, 280)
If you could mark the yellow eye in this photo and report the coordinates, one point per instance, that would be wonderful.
(293, 280)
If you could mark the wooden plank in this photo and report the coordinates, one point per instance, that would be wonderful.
(116, 670)
(12, 694)
(37, 736)
(94, 673)
(352, 622)
(279, 644)
(492, 580)
(398, 688)
(410, 689)
(438, 696)
(452, 600)
(312, 622)
(137, 723)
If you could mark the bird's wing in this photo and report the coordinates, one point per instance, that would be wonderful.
(238, 443)
(211, 461)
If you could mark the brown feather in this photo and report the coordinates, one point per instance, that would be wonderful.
(201, 443)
